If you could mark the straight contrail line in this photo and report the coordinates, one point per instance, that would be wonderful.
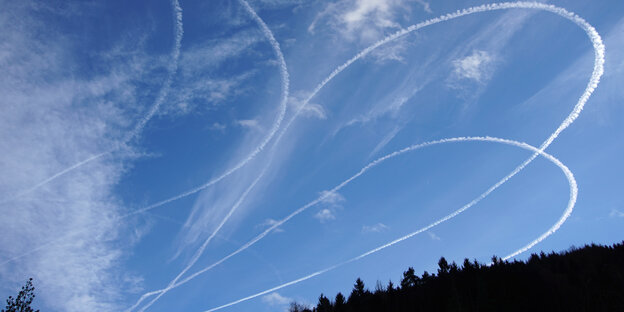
(162, 93)
(566, 214)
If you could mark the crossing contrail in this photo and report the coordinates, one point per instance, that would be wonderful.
(162, 94)
(592, 84)
(564, 216)
(276, 125)
(200, 251)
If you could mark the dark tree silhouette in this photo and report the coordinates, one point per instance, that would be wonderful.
(585, 279)
(340, 303)
(23, 300)
(444, 267)
(409, 279)
(324, 305)
(296, 307)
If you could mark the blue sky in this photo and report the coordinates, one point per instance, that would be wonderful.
(184, 155)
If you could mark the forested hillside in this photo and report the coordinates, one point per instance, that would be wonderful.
(586, 279)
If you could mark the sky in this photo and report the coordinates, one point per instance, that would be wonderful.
(239, 155)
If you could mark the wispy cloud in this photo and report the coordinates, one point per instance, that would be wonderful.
(217, 126)
(364, 20)
(311, 110)
(42, 131)
(433, 236)
(325, 215)
(269, 223)
(376, 228)
(476, 66)
(275, 299)
(252, 124)
(331, 198)
(616, 214)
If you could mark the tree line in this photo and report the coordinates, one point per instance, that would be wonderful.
(580, 279)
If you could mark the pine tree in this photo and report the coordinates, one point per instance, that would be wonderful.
(324, 305)
(409, 279)
(339, 303)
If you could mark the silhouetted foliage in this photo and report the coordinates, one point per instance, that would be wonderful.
(585, 279)
(23, 300)
(296, 307)
(409, 279)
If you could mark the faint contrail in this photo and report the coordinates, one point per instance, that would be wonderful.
(172, 68)
(276, 125)
(282, 110)
(200, 251)
(564, 216)
(589, 30)
(592, 84)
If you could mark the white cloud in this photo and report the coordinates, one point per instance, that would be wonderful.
(275, 299)
(311, 110)
(269, 223)
(426, 6)
(616, 214)
(332, 198)
(249, 123)
(66, 234)
(218, 126)
(365, 20)
(476, 66)
(433, 236)
(325, 215)
(200, 81)
(379, 227)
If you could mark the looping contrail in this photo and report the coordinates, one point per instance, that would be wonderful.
(555, 227)
(160, 98)
(592, 84)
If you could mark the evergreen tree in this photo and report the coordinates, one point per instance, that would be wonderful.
(324, 305)
(443, 267)
(358, 289)
(409, 279)
(340, 302)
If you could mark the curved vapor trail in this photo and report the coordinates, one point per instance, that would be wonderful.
(200, 251)
(282, 110)
(172, 69)
(555, 227)
(285, 90)
(276, 125)
(592, 84)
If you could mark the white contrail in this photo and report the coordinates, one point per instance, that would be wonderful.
(592, 84)
(589, 30)
(285, 90)
(276, 125)
(566, 213)
(200, 251)
(282, 110)
(172, 69)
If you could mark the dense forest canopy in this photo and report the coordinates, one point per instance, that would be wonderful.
(586, 279)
